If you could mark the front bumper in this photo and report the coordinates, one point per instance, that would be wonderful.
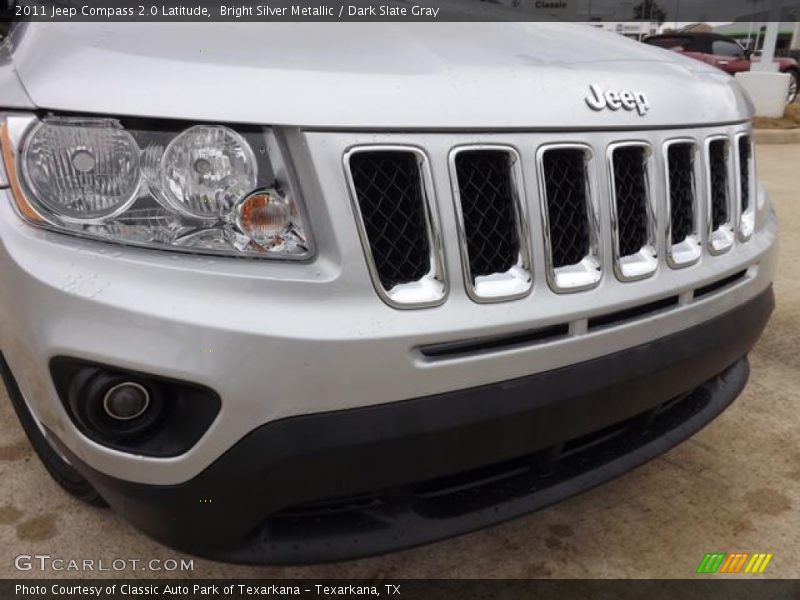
(349, 483)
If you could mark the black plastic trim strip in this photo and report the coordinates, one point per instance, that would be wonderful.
(635, 312)
(494, 343)
(719, 285)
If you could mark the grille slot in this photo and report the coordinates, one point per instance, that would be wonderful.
(720, 206)
(389, 193)
(566, 195)
(493, 240)
(392, 200)
(718, 175)
(745, 157)
(630, 191)
(683, 235)
(681, 191)
(569, 220)
(633, 219)
(487, 205)
(746, 179)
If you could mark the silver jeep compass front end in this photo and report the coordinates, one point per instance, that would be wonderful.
(289, 294)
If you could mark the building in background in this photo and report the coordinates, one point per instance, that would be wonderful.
(632, 29)
(751, 34)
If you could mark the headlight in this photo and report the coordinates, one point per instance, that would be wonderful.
(209, 189)
(81, 169)
(206, 170)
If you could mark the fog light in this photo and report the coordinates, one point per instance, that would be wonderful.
(134, 412)
(126, 401)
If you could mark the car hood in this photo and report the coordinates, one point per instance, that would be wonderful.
(366, 75)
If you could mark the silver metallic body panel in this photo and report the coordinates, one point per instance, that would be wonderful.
(481, 76)
(12, 93)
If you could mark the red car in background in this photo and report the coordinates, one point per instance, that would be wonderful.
(723, 52)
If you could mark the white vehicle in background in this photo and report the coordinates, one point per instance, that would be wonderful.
(286, 294)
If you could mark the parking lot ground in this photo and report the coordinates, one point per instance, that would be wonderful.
(735, 487)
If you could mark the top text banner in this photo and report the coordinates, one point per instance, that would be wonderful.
(618, 11)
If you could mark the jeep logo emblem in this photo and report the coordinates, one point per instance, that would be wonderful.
(598, 100)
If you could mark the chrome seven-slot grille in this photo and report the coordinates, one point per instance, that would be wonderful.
(392, 191)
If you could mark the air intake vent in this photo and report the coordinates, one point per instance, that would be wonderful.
(718, 173)
(630, 189)
(720, 206)
(391, 188)
(567, 208)
(489, 207)
(683, 244)
(746, 168)
(681, 191)
(568, 217)
(745, 157)
(634, 244)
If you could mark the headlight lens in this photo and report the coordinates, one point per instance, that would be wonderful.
(82, 169)
(208, 189)
(206, 170)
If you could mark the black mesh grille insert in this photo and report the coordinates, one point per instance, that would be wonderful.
(681, 190)
(630, 187)
(718, 161)
(744, 170)
(487, 205)
(389, 193)
(565, 189)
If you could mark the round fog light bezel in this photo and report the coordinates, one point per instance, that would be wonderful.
(126, 384)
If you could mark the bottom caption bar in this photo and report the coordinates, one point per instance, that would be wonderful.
(74, 589)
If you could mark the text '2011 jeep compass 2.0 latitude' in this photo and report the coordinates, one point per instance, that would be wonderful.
(301, 293)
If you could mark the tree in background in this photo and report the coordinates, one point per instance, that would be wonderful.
(649, 10)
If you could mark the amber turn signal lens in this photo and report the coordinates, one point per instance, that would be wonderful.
(13, 180)
(264, 217)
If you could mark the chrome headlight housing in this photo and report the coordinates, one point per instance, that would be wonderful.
(201, 188)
